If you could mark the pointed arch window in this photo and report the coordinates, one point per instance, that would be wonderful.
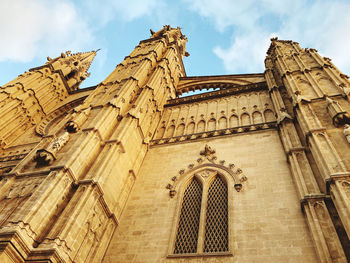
(202, 225)
(187, 234)
(216, 221)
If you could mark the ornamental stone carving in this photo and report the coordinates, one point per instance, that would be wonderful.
(47, 156)
(206, 167)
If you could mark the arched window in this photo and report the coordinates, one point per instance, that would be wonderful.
(216, 221)
(202, 226)
(187, 233)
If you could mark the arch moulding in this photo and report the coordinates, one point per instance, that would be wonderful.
(206, 167)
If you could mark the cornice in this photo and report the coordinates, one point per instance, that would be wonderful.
(216, 133)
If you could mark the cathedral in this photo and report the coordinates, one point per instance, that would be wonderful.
(134, 170)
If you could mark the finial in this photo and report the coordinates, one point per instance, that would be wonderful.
(208, 151)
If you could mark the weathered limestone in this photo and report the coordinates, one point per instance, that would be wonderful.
(28, 98)
(99, 174)
(92, 155)
(308, 78)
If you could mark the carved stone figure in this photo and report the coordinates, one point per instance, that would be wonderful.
(48, 155)
(208, 151)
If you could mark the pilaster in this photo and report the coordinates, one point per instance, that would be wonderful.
(325, 238)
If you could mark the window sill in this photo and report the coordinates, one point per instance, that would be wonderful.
(216, 254)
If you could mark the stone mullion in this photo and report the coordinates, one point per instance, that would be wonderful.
(328, 246)
(202, 218)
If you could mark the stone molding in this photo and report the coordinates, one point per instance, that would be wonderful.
(209, 134)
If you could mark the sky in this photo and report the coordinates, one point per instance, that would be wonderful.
(224, 37)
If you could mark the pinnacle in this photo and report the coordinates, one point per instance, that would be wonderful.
(74, 67)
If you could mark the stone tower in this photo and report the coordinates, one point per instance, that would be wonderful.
(129, 171)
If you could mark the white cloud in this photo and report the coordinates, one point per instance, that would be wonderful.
(104, 11)
(322, 24)
(37, 28)
(29, 28)
(226, 13)
(246, 54)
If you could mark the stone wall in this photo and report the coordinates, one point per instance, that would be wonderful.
(266, 222)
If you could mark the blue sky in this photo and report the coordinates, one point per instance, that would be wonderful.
(225, 37)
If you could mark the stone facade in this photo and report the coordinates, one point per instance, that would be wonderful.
(130, 171)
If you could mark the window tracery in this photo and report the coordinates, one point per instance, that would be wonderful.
(188, 226)
(216, 222)
(203, 214)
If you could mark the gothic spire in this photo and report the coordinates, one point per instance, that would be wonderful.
(74, 67)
